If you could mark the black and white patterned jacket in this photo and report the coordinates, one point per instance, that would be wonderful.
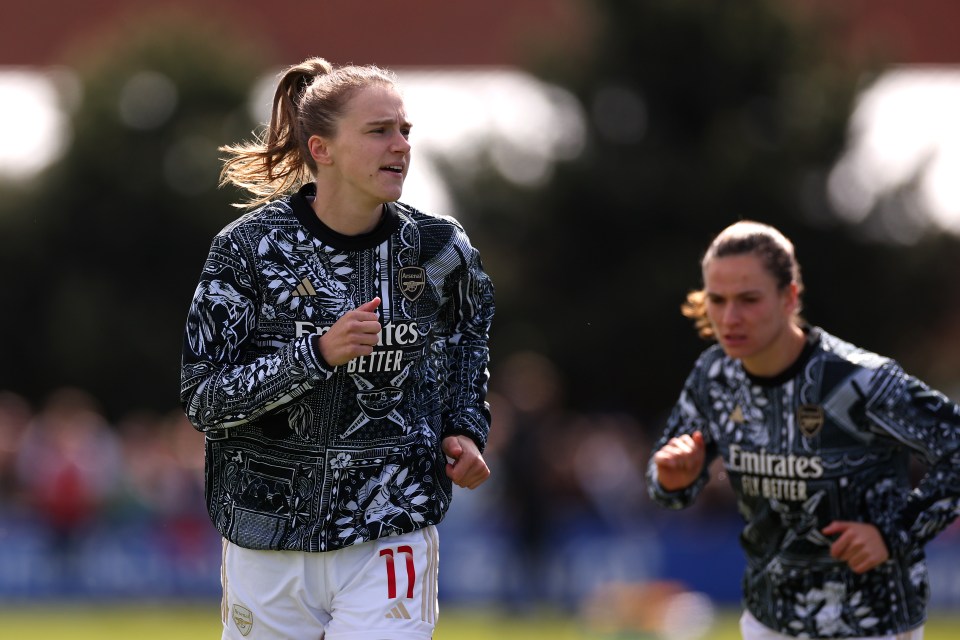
(829, 439)
(301, 455)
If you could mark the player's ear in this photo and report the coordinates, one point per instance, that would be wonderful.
(319, 150)
(791, 298)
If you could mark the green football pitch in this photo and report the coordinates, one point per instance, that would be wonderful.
(196, 622)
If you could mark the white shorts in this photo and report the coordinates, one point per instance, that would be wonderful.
(380, 590)
(752, 629)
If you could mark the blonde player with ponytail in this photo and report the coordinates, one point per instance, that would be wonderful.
(335, 357)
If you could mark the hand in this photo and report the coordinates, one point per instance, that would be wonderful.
(680, 461)
(468, 469)
(860, 545)
(354, 334)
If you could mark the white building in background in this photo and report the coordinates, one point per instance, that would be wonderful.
(904, 134)
(506, 118)
(34, 119)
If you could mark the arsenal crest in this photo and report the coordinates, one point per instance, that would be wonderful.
(243, 618)
(411, 281)
(809, 419)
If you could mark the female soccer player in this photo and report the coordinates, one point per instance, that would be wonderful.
(336, 358)
(815, 434)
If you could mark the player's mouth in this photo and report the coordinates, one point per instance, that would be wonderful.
(393, 168)
(733, 339)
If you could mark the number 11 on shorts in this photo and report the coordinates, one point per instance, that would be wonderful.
(407, 550)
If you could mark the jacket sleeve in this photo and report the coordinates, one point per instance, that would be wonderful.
(686, 417)
(928, 423)
(223, 383)
(466, 357)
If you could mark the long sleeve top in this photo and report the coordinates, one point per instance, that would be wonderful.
(829, 439)
(302, 455)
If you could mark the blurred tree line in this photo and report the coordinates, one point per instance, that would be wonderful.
(101, 253)
(698, 114)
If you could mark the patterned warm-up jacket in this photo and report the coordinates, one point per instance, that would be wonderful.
(829, 439)
(302, 455)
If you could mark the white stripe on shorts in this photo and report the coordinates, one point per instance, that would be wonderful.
(428, 600)
(224, 607)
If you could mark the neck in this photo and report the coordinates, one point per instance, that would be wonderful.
(780, 355)
(349, 219)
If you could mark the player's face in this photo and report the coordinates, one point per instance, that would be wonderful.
(371, 150)
(752, 318)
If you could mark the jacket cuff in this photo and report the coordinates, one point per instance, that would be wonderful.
(471, 424)
(677, 499)
(309, 351)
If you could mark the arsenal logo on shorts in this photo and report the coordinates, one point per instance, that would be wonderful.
(243, 618)
(810, 419)
(411, 281)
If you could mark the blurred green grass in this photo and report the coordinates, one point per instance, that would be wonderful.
(201, 622)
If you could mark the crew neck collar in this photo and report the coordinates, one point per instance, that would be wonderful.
(300, 203)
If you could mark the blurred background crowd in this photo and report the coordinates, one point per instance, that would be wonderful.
(67, 466)
(590, 147)
(91, 506)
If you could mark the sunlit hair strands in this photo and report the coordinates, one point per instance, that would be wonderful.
(310, 100)
(775, 251)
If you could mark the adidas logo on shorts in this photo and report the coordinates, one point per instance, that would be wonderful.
(398, 612)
